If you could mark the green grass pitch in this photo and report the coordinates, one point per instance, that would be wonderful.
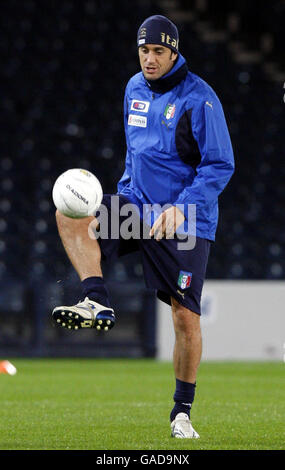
(123, 404)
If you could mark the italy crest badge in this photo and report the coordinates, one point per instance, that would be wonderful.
(184, 279)
(169, 111)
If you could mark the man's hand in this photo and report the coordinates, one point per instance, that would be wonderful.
(167, 223)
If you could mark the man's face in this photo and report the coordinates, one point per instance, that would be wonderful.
(156, 60)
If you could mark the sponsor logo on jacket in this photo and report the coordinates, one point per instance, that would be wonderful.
(136, 120)
(138, 105)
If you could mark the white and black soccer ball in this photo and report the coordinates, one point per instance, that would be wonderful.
(77, 193)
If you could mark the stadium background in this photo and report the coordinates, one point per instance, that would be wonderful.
(64, 67)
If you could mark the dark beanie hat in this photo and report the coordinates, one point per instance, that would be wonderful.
(158, 29)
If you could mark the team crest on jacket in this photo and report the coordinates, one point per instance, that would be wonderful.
(169, 111)
(184, 279)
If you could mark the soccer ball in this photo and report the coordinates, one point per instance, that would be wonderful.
(77, 193)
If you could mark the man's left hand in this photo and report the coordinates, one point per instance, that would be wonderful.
(167, 223)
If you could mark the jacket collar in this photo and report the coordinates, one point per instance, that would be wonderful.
(171, 79)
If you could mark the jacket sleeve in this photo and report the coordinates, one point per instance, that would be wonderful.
(216, 167)
(125, 180)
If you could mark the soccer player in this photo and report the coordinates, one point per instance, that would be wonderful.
(178, 153)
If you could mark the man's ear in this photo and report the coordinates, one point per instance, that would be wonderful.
(173, 56)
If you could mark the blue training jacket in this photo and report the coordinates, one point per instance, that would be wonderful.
(178, 146)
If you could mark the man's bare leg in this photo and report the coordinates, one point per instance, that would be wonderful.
(83, 251)
(186, 356)
(188, 342)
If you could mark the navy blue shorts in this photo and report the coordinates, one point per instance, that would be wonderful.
(171, 272)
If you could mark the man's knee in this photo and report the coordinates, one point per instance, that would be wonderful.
(65, 222)
(61, 218)
(184, 320)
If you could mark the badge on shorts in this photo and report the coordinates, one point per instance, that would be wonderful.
(184, 279)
